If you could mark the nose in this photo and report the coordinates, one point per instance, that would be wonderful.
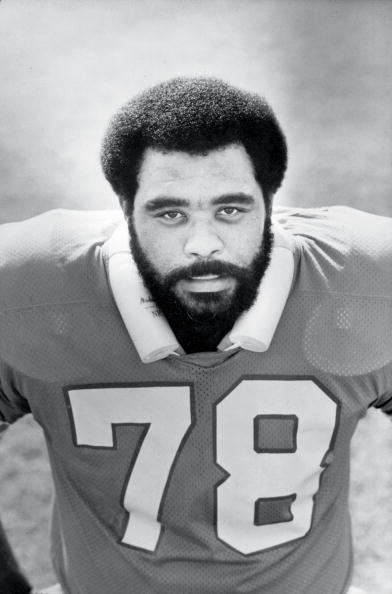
(203, 241)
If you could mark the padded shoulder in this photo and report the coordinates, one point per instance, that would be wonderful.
(344, 278)
(50, 257)
(343, 250)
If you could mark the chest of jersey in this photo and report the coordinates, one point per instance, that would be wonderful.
(239, 468)
(238, 460)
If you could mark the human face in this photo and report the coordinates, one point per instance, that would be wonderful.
(198, 219)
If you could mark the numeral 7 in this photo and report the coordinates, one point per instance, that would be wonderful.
(167, 415)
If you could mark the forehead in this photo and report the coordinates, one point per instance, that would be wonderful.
(184, 175)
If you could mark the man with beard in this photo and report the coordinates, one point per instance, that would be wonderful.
(192, 253)
(199, 368)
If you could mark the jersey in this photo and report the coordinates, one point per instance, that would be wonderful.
(220, 472)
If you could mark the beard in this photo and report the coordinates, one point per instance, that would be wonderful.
(203, 319)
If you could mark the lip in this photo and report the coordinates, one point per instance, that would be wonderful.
(204, 277)
(209, 283)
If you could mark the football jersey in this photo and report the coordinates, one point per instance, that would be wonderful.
(224, 472)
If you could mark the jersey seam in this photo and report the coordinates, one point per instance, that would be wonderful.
(34, 306)
(345, 294)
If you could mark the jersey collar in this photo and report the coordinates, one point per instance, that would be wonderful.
(149, 329)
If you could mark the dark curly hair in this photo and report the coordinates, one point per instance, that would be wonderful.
(194, 115)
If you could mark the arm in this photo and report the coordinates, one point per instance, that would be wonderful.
(12, 406)
(11, 579)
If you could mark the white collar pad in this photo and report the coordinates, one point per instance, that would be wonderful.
(149, 329)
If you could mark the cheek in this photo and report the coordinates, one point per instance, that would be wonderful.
(245, 242)
(162, 249)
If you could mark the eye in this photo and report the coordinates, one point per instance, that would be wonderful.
(172, 216)
(229, 211)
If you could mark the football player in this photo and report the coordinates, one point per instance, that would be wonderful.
(198, 362)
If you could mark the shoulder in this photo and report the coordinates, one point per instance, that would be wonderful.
(51, 231)
(341, 249)
(37, 254)
(343, 287)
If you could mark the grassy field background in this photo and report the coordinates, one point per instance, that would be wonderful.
(325, 66)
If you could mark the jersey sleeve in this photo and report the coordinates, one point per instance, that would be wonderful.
(384, 381)
(346, 268)
(12, 404)
(45, 262)
(385, 404)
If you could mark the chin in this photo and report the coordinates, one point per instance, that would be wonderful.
(206, 303)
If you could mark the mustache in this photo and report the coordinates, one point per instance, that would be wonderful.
(204, 268)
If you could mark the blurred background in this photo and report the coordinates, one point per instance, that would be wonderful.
(67, 65)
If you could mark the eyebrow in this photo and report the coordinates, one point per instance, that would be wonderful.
(171, 202)
(238, 197)
(164, 202)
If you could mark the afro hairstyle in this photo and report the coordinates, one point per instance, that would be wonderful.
(193, 115)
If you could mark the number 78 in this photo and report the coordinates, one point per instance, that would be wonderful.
(280, 470)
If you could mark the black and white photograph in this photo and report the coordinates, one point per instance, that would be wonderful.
(195, 296)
